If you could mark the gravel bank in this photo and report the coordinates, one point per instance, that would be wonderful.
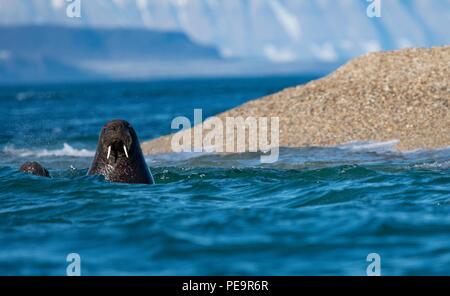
(401, 95)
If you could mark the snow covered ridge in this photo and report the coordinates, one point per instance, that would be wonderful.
(279, 30)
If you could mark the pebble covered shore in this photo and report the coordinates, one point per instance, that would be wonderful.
(400, 95)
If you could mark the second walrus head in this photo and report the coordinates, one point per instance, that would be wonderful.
(119, 156)
(35, 168)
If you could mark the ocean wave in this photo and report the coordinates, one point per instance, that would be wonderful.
(385, 146)
(25, 95)
(292, 158)
(433, 165)
(67, 150)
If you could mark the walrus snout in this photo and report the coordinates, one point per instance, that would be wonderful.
(117, 138)
(34, 168)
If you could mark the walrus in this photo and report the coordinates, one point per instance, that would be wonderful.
(34, 168)
(119, 156)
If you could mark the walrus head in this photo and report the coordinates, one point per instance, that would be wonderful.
(118, 138)
(119, 156)
(34, 168)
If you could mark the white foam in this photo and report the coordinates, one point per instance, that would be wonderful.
(433, 165)
(387, 146)
(22, 96)
(67, 150)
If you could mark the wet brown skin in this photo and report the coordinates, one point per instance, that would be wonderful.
(120, 168)
(34, 168)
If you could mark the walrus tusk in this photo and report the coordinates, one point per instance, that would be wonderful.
(125, 150)
(109, 152)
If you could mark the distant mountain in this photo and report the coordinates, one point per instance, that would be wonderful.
(87, 43)
(15, 70)
(276, 30)
(41, 53)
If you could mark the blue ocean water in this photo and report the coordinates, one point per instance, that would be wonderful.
(317, 211)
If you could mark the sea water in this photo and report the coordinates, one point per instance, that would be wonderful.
(317, 211)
